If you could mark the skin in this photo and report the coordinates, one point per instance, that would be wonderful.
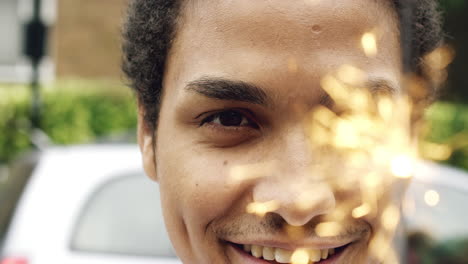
(284, 48)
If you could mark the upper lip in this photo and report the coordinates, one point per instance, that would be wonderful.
(278, 240)
(293, 245)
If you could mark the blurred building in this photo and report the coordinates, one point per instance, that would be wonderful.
(14, 14)
(84, 39)
(87, 38)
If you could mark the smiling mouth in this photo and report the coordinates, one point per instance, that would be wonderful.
(278, 255)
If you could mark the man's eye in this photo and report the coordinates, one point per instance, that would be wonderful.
(229, 118)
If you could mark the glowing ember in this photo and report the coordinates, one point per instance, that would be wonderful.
(371, 137)
(328, 229)
(435, 151)
(431, 198)
(391, 217)
(295, 232)
(261, 209)
(361, 211)
(351, 75)
(250, 171)
(369, 44)
(300, 256)
(440, 58)
(402, 166)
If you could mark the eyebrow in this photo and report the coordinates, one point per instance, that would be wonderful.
(236, 90)
(381, 85)
(230, 90)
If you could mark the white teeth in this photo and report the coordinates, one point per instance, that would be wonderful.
(324, 253)
(314, 254)
(282, 255)
(257, 251)
(268, 253)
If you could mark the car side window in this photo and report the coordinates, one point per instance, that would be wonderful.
(435, 217)
(123, 217)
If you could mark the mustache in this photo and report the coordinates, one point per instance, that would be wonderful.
(274, 225)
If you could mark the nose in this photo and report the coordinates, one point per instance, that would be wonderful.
(298, 203)
(298, 191)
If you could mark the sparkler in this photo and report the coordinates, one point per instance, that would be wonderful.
(431, 197)
(373, 137)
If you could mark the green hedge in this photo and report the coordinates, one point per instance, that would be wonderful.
(448, 125)
(74, 111)
(14, 121)
(78, 111)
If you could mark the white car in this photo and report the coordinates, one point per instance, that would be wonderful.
(92, 204)
(88, 204)
(437, 202)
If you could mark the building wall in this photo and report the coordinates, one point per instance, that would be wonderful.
(87, 38)
(9, 26)
(15, 67)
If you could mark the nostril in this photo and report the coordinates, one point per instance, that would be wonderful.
(297, 202)
(305, 207)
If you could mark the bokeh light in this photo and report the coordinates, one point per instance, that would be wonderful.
(431, 197)
(402, 166)
(369, 44)
(328, 229)
(300, 256)
(261, 209)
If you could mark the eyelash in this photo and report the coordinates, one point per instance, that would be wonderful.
(212, 117)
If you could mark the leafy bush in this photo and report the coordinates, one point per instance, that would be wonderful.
(14, 121)
(81, 111)
(448, 125)
(73, 111)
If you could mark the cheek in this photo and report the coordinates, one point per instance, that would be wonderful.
(389, 201)
(195, 187)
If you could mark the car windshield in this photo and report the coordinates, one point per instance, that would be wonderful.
(111, 223)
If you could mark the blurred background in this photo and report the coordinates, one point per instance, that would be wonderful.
(81, 65)
(79, 94)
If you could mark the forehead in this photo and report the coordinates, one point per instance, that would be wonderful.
(284, 19)
(250, 40)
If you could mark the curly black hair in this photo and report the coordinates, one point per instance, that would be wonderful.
(150, 28)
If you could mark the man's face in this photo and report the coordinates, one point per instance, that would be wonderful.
(241, 78)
